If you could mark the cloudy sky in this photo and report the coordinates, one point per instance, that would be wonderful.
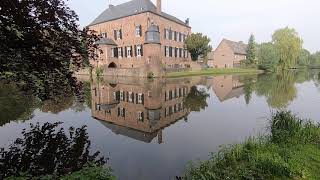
(231, 19)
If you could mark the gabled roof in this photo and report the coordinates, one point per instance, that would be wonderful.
(237, 47)
(130, 8)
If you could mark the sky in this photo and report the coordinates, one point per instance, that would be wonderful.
(230, 19)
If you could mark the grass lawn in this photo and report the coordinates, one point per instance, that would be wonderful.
(290, 151)
(211, 71)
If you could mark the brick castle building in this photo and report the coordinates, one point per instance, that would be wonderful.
(138, 39)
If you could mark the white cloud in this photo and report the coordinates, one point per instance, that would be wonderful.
(233, 19)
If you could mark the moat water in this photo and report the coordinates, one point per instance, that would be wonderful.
(152, 129)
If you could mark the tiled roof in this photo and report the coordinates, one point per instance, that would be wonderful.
(237, 47)
(131, 8)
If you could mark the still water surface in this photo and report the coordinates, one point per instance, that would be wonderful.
(151, 129)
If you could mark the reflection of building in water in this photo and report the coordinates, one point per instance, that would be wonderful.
(142, 109)
(227, 87)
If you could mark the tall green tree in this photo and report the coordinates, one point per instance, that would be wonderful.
(268, 57)
(289, 45)
(198, 45)
(251, 51)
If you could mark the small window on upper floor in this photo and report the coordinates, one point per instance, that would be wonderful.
(138, 31)
(104, 35)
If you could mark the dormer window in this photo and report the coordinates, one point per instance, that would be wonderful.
(138, 31)
(117, 34)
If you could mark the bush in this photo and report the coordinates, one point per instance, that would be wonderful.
(285, 154)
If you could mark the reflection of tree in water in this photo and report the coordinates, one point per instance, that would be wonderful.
(15, 104)
(248, 87)
(278, 88)
(196, 99)
(47, 150)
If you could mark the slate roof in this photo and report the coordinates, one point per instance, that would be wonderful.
(130, 8)
(237, 47)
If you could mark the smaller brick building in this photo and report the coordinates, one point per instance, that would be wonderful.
(228, 54)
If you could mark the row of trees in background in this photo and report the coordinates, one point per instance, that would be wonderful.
(285, 51)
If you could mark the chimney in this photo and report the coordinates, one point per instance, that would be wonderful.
(159, 6)
(187, 21)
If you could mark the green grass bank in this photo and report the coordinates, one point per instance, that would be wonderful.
(211, 71)
(290, 151)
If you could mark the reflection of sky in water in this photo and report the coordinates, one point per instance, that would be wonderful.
(221, 123)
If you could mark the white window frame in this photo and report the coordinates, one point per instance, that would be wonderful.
(167, 51)
(140, 117)
(129, 51)
(121, 96)
(130, 97)
(114, 95)
(119, 52)
(139, 50)
(122, 112)
(138, 31)
(139, 98)
(167, 33)
(118, 34)
(112, 52)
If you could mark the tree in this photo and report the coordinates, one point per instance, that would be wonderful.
(268, 57)
(196, 99)
(251, 51)
(48, 150)
(315, 60)
(15, 104)
(198, 45)
(304, 58)
(40, 41)
(289, 45)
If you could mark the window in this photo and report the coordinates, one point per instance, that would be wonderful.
(140, 116)
(138, 31)
(166, 51)
(104, 35)
(175, 35)
(140, 98)
(130, 97)
(179, 39)
(117, 34)
(121, 112)
(112, 52)
(129, 51)
(139, 50)
(166, 33)
(175, 52)
(114, 95)
(170, 34)
(120, 52)
(170, 51)
(121, 96)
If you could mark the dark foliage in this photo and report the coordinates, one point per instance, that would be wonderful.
(41, 44)
(48, 150)
(196, 99)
